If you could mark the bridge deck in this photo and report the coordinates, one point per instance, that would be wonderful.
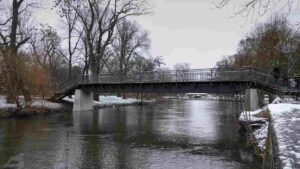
(182, 81)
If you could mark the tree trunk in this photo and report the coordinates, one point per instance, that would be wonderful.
(95, 79)
(13, 76)
(70, 54)
(14, 26)
(70, 70)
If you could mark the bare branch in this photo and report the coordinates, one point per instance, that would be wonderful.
(257, 8)
(22, 42)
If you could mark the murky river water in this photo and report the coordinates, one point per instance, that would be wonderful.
(173, 134)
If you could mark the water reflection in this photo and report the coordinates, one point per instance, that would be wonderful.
(173, 134)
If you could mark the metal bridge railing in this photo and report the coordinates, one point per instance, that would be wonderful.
(246, 74)
(190, 75)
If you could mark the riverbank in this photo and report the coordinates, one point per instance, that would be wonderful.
(276, 133)
(26, 112)
(42, 107)
(286, 120)
(37, 107)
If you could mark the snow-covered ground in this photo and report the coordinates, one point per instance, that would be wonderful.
(286, 122)
(112, 100)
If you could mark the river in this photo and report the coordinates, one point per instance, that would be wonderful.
(164, 135)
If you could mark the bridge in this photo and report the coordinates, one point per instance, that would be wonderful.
(244, 80)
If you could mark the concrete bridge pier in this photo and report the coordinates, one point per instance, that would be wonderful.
(83, 101)
(251, 99)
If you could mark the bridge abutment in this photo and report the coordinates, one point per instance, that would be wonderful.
(83, 101)
(252, 99)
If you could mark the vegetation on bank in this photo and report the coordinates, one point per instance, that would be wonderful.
(25, 112)
(35, 108)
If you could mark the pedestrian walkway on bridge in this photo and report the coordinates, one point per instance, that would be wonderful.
(244, 80)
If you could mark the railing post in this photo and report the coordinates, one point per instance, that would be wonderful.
(250, 74)
(254, 72)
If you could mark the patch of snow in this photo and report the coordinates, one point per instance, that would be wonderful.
(297, 155)
(70, 100)
(288, 163)
(112, 100)
(261, 136)
(277, 100)
(4, 104)
(107, 100)
(251, 116)
(46, 104)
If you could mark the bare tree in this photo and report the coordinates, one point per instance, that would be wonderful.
(83, 50)
(225, 62)
(99, 19)
(70, 19)
(159, 61)
(130, 42)
(13, 35)
(144, 64)
(45, 46)
(182, 70)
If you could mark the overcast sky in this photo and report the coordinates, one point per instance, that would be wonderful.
(191, 31)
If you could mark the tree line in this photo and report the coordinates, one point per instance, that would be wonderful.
(98, 36)
(275, 44)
